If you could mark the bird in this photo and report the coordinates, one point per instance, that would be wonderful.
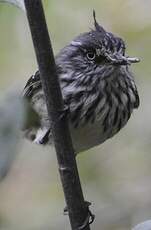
(97, 87)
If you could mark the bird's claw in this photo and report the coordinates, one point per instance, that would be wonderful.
(89, 219)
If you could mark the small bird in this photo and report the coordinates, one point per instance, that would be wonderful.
(97, 87)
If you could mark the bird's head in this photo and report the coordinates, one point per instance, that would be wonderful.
(97, 51)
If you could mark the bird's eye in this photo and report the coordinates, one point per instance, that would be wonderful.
(91, 56)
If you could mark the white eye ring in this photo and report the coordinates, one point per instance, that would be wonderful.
(91, 55)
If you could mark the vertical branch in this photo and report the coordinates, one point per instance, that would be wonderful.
(78, 210)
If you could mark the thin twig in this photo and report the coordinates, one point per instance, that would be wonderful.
(78, 210)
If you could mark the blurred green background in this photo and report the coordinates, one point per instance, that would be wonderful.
(116, 177)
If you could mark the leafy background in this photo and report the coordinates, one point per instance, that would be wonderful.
(116, 175)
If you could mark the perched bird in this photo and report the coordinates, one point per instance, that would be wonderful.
(96, 86)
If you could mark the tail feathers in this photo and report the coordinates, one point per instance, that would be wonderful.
(42, 136)
(38, 136)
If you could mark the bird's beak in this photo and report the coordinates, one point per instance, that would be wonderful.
(133, 59)
(117, 59)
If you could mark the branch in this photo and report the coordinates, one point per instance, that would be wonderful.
(79, 213)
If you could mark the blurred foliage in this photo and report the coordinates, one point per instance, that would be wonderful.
(11, 120)
(116, 175)
(143, 226)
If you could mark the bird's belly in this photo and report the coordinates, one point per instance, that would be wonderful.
(92, 134)
(88, 136)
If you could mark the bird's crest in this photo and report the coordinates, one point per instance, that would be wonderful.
(96, 24)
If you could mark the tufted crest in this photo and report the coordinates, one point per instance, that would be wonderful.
(97, 26)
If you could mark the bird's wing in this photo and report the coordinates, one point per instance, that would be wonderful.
(32, 85)
(37, 126)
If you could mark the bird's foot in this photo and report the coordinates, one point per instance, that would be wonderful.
(89, 219)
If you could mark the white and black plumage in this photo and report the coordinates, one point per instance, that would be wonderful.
(96, 85)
